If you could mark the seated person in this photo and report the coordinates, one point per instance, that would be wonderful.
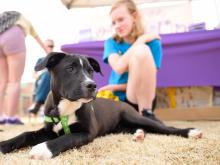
(134, 57)
(42, 84)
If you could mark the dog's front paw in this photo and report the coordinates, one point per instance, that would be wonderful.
(195, 133)
(40, 151)
(6, 147)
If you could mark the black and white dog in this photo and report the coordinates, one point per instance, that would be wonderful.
(74, 117)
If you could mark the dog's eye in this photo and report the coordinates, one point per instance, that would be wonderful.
(70, 69)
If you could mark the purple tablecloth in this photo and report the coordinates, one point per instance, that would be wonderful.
(190, 59)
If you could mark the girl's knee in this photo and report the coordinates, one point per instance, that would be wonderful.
(141, 52)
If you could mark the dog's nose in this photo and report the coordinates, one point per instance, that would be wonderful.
(90, 85)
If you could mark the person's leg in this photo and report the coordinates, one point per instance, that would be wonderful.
(3, 85)
(141, 86)
(16, 63)
(43, 87)
(41, 91)
(13, 46)
(142, 77)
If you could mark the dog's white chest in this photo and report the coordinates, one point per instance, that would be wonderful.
(67, 107)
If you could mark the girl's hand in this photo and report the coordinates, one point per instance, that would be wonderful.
(114, 88)
(107, 87)
(145, 38)
(155, 36)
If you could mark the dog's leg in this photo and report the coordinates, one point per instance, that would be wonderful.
(26, 139)
(52, 148)
(135, 120)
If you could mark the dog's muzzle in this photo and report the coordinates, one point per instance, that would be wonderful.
(90, 85)
(89, 89)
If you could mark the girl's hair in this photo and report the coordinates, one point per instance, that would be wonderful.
(138, 28)
(8, 19)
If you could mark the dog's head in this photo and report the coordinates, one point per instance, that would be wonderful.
(71, 75)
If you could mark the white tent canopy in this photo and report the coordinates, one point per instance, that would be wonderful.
(95, 3)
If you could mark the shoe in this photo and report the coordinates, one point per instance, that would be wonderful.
(14, 121)
(150, 115)
(34, 109)
(2, 121)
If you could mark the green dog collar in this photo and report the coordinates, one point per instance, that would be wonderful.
(63, 120)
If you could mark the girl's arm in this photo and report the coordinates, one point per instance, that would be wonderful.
(120, 63)
(37, 38)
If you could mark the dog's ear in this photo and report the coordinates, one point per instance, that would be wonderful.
(50, 60)
(95, 65)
